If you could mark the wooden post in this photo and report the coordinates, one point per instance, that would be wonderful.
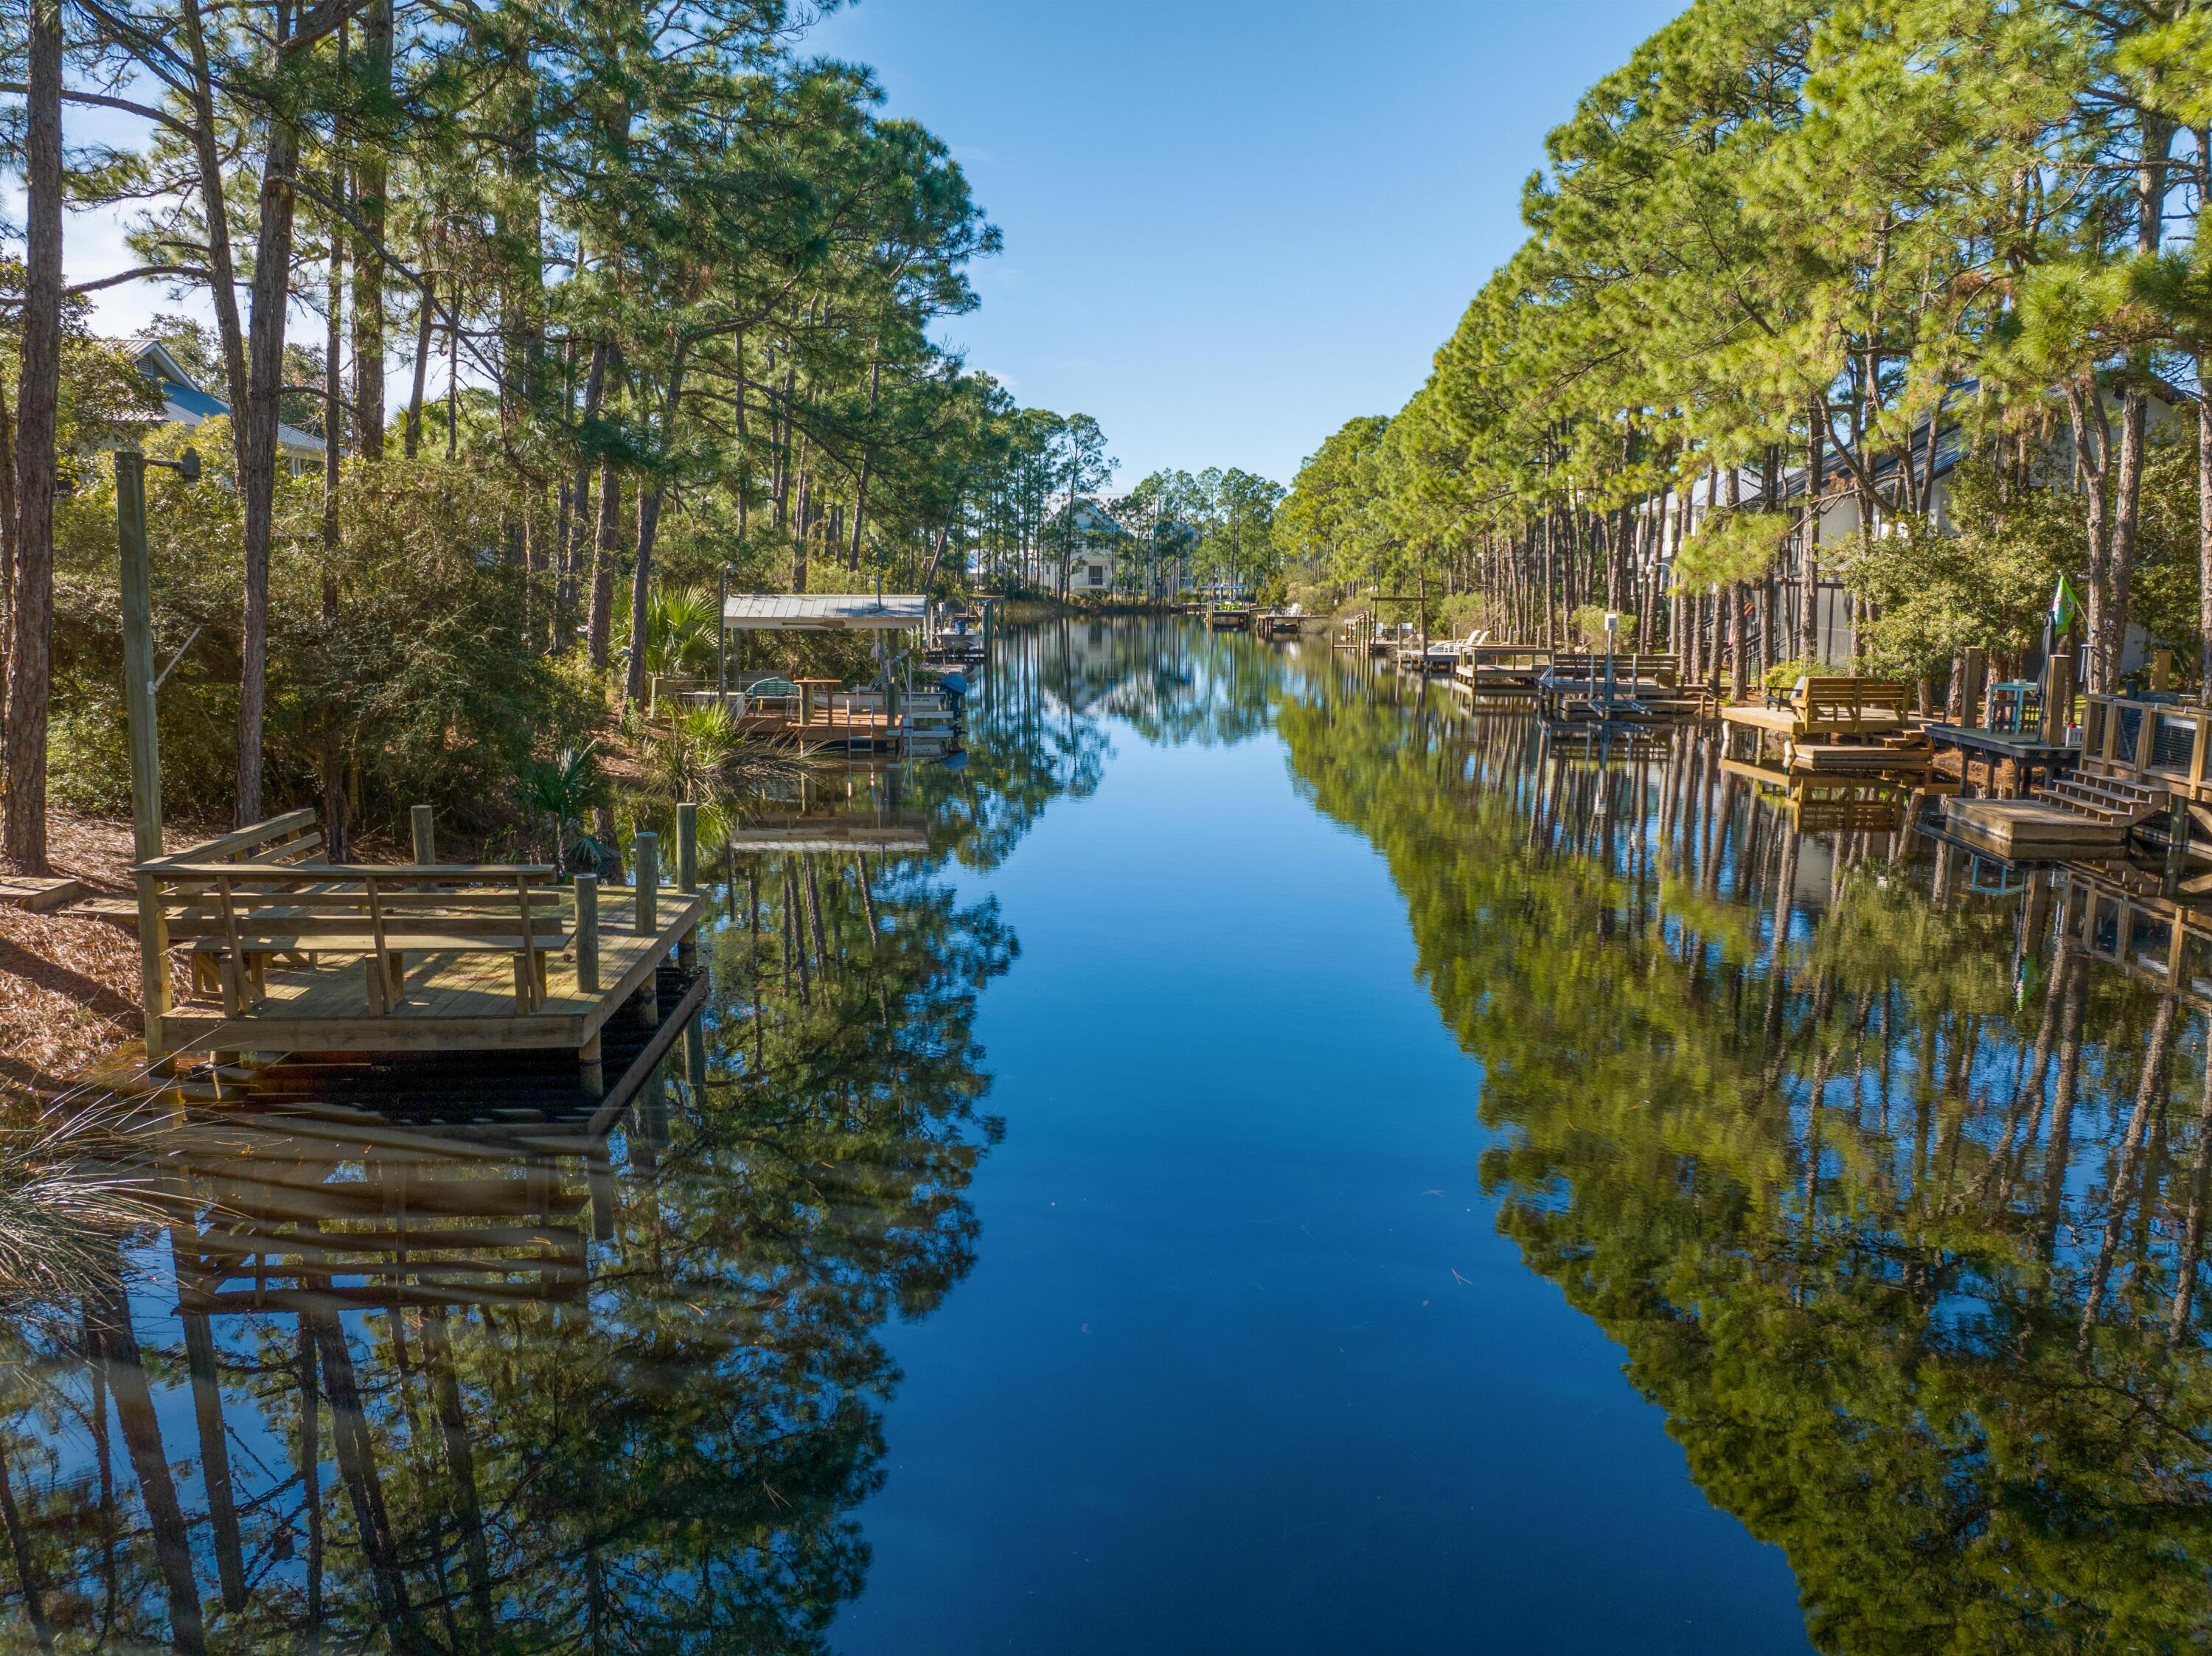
(722, 635)
(1970, 687)
(687, 879)
(2058, 695)
(645, 853)
(587, 933)
(687, 848)
(2161, 670)
(145, 740)
(423, 821)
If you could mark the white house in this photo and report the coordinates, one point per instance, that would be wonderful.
(1087, 544)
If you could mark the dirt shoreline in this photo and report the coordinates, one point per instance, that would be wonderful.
(69, 987)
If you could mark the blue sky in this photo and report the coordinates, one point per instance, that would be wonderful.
(1232, 225)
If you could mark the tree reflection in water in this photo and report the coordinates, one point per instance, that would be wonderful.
(1893, 1194)
(600, 1393)
(1893, 1187)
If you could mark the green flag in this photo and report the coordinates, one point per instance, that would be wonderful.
(2065, 604)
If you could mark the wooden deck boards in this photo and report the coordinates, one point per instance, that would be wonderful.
(451, 1000)
(1779, 720)
(2032, 829)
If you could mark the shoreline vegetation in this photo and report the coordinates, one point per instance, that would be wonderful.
(498, 375)
(516, 345)
(1840, 332)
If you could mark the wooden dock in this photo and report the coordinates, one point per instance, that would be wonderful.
(1625, 689)
(2033, 830)
(1501, 669)
(2029, 755)
(1837, 728)
(290, 953)
(449, 1000)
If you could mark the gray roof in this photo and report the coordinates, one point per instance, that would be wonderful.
(823, 612)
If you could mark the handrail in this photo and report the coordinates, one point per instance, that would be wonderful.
(245, 838)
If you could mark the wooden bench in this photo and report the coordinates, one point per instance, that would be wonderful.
(238, 915)
(1850, 706)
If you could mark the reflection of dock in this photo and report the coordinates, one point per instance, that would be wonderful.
(1827, 804)
(2115, 913)
(823, 832)
(321, 1185)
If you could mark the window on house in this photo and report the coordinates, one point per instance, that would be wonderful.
(1097, 576)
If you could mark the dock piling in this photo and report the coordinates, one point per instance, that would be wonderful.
(592, 1073)
(423, 822)
(645, 853)
(587, 933)
(687, 879)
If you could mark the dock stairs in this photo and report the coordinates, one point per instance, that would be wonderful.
(2105, 799)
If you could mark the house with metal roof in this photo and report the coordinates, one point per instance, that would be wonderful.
(185, 402)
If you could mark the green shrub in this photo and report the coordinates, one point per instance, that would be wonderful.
(427, 671)
(1784, 674)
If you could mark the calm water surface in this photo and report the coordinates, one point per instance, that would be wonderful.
(1296, 1166)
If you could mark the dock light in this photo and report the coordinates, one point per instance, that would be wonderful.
(1612, 621)
(185, 465)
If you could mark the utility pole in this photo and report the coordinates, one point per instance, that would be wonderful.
(139, 684)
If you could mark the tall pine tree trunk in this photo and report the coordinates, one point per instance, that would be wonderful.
(370, 174)
(38, 395)
(648, 527)
(256, 469)
(333, 754)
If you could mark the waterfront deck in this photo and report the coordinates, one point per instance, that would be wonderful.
(449, 999)
(1501, 669)
(287, 952)
(2028, 753)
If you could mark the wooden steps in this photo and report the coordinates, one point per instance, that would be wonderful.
(1903, 760)
(39, 894)
(2104, 798)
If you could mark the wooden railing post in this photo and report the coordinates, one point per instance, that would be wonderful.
(423, 822)
(587, 933)
(645, 851)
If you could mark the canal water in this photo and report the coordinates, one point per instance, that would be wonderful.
(1256, 1155)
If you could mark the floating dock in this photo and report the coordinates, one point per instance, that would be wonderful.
(2033, 830)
